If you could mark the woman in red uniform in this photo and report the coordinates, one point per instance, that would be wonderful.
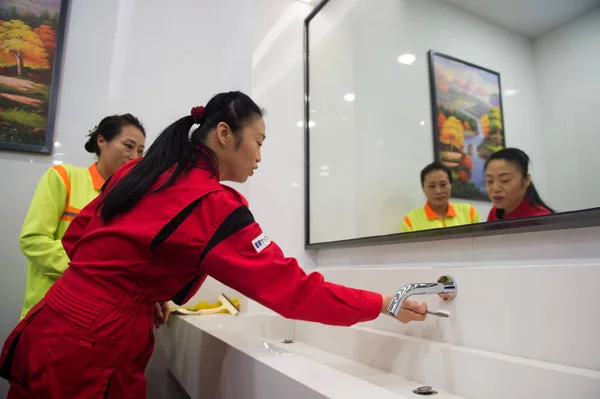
(510, 188)
(161, 225)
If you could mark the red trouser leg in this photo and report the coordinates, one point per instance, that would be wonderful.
(16, 392)
(70, 351)
(54, 359)
(33, 345)
(131, 384)
(129, 380)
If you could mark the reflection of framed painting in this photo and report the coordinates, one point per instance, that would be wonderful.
(31, 39)
(468, 123)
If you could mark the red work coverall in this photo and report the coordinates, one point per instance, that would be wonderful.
(92, 334)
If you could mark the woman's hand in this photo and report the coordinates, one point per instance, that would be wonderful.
(161, 313)
(410, 311)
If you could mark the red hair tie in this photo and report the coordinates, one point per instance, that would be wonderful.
(197, 113)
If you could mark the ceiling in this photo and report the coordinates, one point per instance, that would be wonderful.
(529, 18)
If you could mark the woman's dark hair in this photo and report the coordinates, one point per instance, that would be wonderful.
(174, 148)
(432, 167)
(521, 160)
(109, 128)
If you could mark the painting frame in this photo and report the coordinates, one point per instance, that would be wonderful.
(54, 83)
(463, 186)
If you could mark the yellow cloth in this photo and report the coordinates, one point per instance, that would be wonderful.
(59, 196)
(425, 218)
(205, 305)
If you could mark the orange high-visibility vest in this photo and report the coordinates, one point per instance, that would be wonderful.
(425, 218)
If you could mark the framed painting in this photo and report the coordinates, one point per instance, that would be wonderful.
(31, 41)
(467, 119)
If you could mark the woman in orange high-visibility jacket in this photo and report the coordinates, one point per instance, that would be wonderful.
(62, 192)
(438, 211)
(161, 225)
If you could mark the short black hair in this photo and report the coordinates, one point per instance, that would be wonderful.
(109, 128)
(432, 167)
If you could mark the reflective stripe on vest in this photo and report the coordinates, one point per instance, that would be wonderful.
(70, 212)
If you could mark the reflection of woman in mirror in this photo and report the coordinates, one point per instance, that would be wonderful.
(509, 186)
(438, 212)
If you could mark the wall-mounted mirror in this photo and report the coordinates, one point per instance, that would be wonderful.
(409, 104)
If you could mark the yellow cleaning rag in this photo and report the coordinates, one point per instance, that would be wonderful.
(205, 305)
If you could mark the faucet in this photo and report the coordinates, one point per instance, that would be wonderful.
(445, 287)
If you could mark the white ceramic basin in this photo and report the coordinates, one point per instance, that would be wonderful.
(356, 362)
(320, 373)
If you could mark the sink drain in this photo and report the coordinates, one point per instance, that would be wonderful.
(425, 390)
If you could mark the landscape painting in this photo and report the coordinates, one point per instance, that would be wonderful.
(31, 36)
(468, 121)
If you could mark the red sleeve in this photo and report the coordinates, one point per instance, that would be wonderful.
(249, 263)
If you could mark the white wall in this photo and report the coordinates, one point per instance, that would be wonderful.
(276, 191)
(389, 126)
(567, 62)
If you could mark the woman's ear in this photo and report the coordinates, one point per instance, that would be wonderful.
(101, 141)
(528, 180)
(224, 133)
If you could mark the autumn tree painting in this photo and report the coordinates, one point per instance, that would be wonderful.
(469, 126)
(29, 37)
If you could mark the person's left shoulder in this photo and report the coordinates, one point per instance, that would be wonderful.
(236, 194)
(539, 211)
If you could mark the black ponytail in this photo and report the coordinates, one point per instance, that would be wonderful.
(174, 148)
(521, 160)
(534, 198)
